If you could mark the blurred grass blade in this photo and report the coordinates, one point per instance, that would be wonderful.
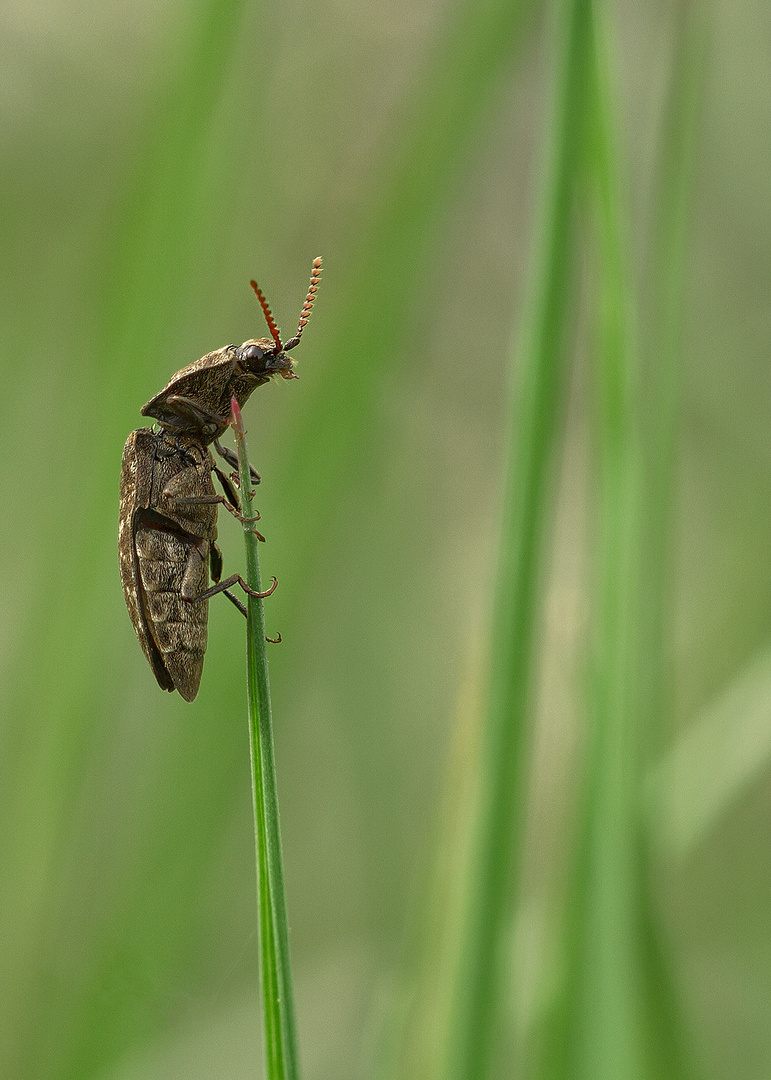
(479, 980)
(618, 1014)
(725, 750)
(280, 1038)
(669, 1049)
(394, 246)
(662, 340)
(601, 1038)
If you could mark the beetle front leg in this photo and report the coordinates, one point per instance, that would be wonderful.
(189, 411)
(232, 459)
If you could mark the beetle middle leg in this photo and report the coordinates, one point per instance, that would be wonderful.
(227, 487)
(218, 500)
(229, 500)
(236, 512)
(188, 411)
(199, 500)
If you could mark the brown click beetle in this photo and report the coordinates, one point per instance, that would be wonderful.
(167, 530)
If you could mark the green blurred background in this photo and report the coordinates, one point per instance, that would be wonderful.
(155, 156)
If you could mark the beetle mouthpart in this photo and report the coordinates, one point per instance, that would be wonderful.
(280, 364)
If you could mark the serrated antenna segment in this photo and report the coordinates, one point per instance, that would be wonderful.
(275, 333)
(305, 314)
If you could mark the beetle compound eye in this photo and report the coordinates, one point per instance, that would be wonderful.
(253, 353)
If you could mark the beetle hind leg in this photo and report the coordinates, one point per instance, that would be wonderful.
(215, 560)
(223, 586)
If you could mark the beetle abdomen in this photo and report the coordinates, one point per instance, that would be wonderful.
(172, 565)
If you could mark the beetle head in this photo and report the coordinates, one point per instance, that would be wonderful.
(262, 358)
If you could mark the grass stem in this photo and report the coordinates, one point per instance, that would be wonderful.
(280, 1037)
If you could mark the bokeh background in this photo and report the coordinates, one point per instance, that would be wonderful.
(157, 155)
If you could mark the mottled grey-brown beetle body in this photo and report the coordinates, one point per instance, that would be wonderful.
(166, 545)
(168, 506)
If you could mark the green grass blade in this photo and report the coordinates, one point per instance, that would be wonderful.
(669, 1050)
(602, 1038)
(276, 976)
(619, 1015)
(479, 980)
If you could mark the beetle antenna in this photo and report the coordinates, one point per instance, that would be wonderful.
(274, 330)
(305, 314)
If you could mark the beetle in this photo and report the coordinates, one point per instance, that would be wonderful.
(167, 532)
